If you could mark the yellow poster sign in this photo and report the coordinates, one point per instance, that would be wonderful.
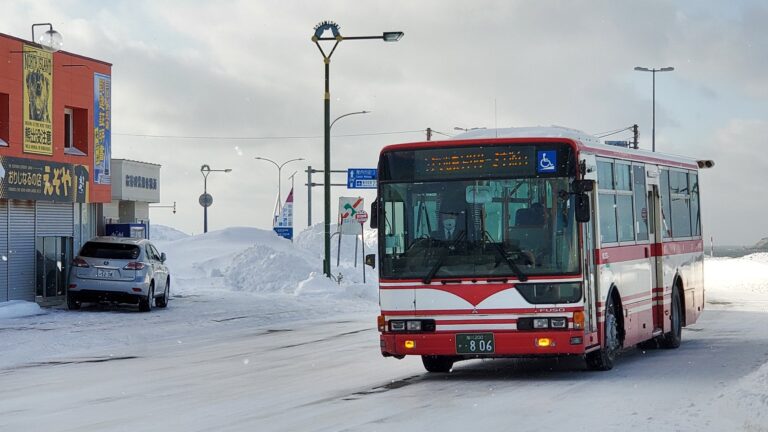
(38, 101)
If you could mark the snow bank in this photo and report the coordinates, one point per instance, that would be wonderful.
(257, 261)
(738, 280)
(165, 233)
(19, 309)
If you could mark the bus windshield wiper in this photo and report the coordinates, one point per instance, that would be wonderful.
(443, 254)
(515, 269)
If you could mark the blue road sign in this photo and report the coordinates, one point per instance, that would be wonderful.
(361, 178)
(285, 232)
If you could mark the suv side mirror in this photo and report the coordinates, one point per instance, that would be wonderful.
(581, 186)
(374, 215)
(162, 257)
(370, 260)
(582, 209)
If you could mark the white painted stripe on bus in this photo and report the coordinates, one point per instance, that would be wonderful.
(468, 327)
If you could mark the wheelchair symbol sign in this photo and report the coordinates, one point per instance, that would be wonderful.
(546, 161)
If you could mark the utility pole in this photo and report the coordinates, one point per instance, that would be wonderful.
(636, 135)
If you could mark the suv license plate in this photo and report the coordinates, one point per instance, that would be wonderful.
(105, 273)
(475, 343)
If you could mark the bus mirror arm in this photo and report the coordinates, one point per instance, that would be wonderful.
(581, 186)
(374, 215)
(582, 209)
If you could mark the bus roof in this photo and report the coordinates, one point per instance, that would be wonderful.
(584, 143)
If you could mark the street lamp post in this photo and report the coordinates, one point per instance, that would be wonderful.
(205, 199)
(51, 40)
(279, 185)
(320, 29)
(653, 73)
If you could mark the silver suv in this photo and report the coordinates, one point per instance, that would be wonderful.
(118, 269)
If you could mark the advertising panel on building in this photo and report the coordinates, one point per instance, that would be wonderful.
(52, 108)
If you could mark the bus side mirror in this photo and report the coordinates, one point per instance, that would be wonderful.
(582, 209)
(581, 186)
(374, 215)
(370, 260)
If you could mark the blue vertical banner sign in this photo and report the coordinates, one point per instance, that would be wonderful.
(283, 225)
(102, 128)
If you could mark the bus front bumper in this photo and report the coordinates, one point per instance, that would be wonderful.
(506, 344)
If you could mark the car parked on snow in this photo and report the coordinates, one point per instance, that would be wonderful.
(119, 269)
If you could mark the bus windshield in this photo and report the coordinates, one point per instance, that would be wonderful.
(491, 228)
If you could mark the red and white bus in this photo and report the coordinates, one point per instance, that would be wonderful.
(535, 242)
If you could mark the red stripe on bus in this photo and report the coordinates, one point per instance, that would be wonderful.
(511, 280)
(615, 254)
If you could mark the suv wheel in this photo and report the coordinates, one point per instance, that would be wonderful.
(145, 304)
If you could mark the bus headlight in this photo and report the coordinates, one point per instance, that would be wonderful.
(559, 323)
(540, 323)
(412, 326)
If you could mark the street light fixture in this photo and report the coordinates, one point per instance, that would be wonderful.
(320, 29)
(51, 40)
(653, 73)
(205, 199)
(346, 115)
(467, 129)
(279, 168)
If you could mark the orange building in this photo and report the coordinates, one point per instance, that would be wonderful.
(55, 150)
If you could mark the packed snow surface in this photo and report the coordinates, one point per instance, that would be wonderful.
(255, 338)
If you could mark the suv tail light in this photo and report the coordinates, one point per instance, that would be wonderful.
(79, 262)
(134, 265)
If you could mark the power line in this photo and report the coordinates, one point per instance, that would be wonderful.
(442, 133)
(609, 133)
(259, 138)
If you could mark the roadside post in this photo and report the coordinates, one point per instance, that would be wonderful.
(362, 218)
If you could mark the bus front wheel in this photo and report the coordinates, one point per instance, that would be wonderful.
(603, 358)
(439, 364)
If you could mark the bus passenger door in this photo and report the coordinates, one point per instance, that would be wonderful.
(590, 275)
(656, 232)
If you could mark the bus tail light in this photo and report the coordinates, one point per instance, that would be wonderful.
(578, 320)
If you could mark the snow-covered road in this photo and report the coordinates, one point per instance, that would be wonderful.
(242, 348)
(328, 375)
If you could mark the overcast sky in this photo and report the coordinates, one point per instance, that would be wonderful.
(248, 70)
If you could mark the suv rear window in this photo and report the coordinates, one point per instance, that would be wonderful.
(110, 250)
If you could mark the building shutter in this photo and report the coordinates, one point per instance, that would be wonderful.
(21, 250)
(3, 250)
(55, 219)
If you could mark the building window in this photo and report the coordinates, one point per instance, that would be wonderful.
(75, 131)
(4, 120)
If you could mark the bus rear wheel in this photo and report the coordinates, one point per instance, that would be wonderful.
(673, 339)
(603, 358)
(438, 364)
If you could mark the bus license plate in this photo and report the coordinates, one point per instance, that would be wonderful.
(475, 343)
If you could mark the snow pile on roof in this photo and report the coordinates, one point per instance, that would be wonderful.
(165, 233)
(258, 261)
(530, 132)
(19, 309)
